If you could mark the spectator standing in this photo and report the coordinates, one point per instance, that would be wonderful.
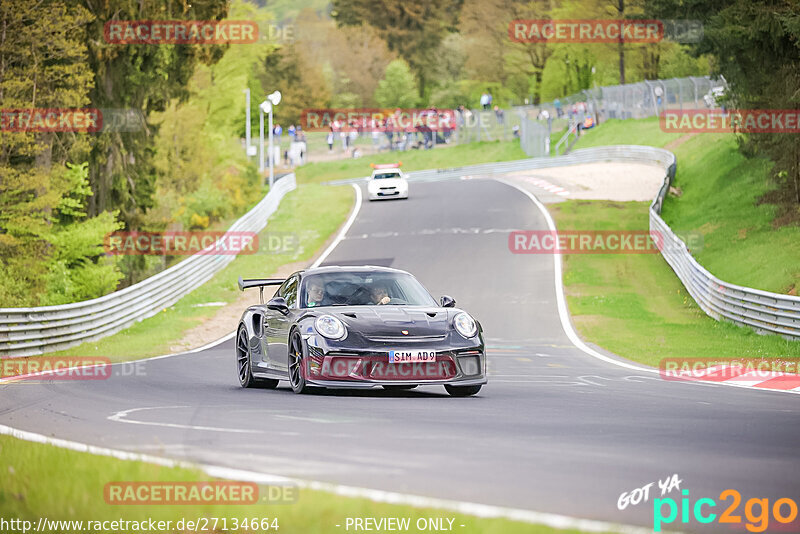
(376, 136)
(559, 111)
(291, 132)
(500, 115)
(485, 101)
(545, 115)
(329, 140)
(353, 137)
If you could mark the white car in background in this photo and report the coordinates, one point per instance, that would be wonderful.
(387, 181)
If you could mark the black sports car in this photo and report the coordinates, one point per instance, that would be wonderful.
(358, 327)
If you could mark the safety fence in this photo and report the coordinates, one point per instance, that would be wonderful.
(629, 101)
(31, 331)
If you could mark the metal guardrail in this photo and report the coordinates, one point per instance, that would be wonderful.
(32, 331)
(761, 310)
(572, 130)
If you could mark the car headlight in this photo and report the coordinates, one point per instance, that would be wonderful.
(465, 324)
(330, 327)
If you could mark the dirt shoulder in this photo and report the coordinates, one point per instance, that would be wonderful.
(598, 181)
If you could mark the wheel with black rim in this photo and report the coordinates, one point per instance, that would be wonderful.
(246, 378)
(297, 377)
(462, 391)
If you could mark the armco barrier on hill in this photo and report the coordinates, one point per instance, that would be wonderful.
(31, 331)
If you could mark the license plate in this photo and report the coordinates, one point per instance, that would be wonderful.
(403, 356)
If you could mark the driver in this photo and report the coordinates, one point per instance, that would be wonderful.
(315, 293)
(380, 295)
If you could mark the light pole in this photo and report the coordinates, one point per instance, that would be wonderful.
(247, 125)
(266, 107)
(261, 137)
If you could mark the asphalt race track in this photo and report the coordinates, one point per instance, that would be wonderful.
(555, 430)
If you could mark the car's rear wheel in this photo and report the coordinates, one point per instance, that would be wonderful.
(246, 378)
(398, 387)
(462, 391)
(297, 377)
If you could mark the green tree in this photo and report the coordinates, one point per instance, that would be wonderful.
(755, 45)
(411, 28)
(287, 69)
(77, 269)
(142, 77)
(398, 87)
(531, 58)
(43, 63)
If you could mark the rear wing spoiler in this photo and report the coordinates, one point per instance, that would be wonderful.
(260, 283)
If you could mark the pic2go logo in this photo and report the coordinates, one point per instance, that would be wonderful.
(756, 511)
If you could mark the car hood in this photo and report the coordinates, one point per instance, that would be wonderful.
(391, 321)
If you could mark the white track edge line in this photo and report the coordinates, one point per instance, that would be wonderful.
(563, 312)
(417, 501)
(344, 229)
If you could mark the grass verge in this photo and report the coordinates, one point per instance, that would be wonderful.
(635, 306)
(626, 132)
(75, 484)
(413, 160)
(312, 213)
(719, 197)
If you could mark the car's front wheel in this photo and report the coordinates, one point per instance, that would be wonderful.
(297, 377)
(246, 378)
(462, 391)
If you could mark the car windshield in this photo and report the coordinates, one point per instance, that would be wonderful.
(363, 289)
(384, 175)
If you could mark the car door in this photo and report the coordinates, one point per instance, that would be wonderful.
(277, 326)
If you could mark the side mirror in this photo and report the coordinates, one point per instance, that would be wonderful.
(448, 302)
(278, 304)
